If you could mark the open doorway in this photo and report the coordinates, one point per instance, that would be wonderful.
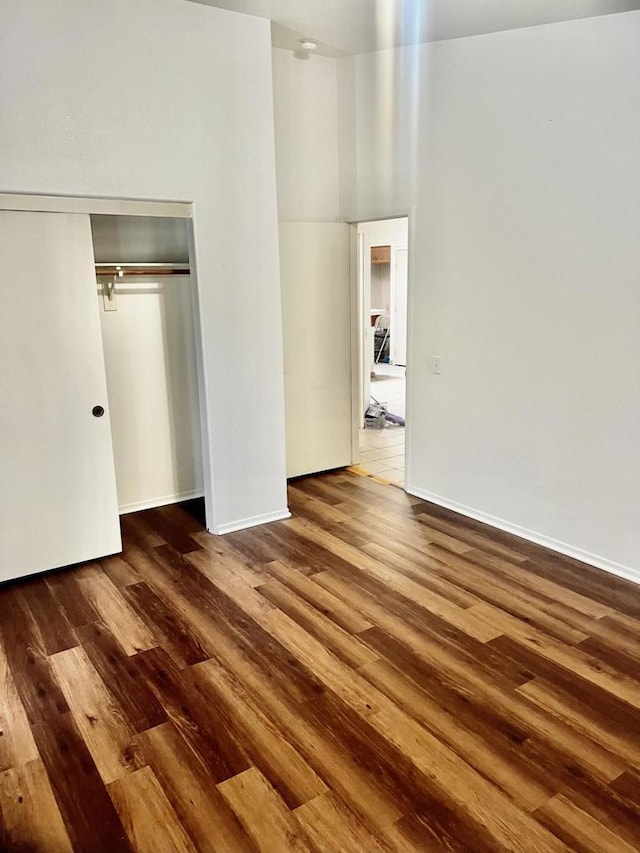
(382, 296)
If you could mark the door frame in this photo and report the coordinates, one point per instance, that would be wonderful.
(135, 207)
(393, 307)
(357, 331)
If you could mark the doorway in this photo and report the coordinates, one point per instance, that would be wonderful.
(382, 319)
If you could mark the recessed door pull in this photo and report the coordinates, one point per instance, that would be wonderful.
(97, 411)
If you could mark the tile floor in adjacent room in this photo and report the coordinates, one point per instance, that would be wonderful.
(382, 450)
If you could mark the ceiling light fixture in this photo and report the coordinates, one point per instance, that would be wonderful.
(308, 44)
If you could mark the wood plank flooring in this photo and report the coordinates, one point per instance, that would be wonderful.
(373, 674)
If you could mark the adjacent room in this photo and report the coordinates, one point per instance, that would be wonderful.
(319, 445)
(382, 293)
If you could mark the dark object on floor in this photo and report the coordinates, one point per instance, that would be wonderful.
(376, 415)
(398, 420)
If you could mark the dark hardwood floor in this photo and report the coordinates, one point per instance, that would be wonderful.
(375, 673)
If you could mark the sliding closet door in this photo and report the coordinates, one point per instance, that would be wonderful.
(58, 501)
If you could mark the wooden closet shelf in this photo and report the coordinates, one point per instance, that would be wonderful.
(134, 269)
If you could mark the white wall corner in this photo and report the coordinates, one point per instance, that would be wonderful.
(253, 521)
(593, 560)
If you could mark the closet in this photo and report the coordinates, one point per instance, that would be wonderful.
(146, 318)
(99, 411)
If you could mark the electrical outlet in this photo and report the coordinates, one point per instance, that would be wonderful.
(436, 365)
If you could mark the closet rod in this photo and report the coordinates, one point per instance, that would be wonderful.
(119, 270)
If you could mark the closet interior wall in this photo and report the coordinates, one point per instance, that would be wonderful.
(150, 359)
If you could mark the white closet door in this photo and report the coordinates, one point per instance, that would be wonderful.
(316, 311)
(58, 502)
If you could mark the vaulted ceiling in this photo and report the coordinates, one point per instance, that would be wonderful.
(345, 27)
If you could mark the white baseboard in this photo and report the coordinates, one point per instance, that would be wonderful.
(610, 566)
(252, 521)
(152, 503)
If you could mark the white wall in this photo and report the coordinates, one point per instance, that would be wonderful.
(380, 286)
(384, 232)
(161, 99)
(150, 361)
(306, 124)
(521, 153)
(314, 251)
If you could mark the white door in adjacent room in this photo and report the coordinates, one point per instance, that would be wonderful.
(58, 502)
(399, 276)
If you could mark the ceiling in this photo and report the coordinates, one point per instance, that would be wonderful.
(345, 27)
